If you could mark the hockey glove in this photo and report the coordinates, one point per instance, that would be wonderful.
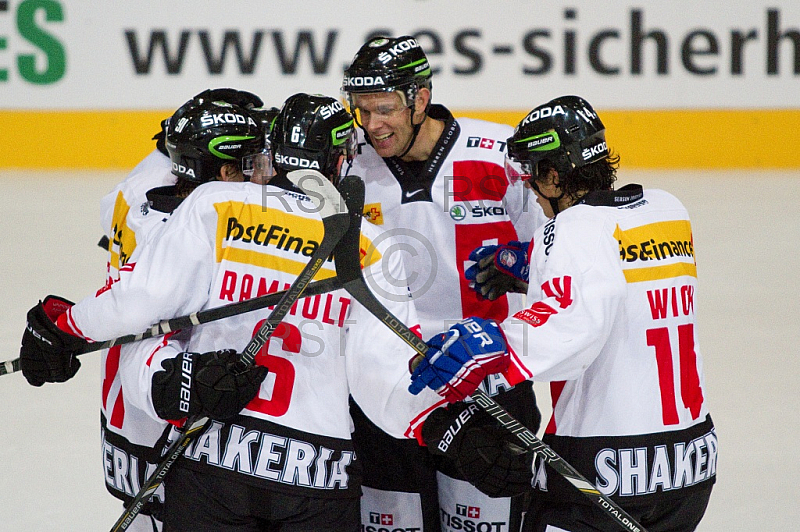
(48, 354)
(459, 359)
(499, 269)
(487, 455)
(210, 385)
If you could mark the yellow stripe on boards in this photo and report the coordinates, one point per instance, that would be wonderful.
(693, 139)
(669, 139)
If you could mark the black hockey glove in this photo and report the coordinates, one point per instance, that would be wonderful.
(499, 269)
(487, 455)
(48, 354)
(209, 385)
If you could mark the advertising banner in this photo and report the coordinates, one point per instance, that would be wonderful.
(666, 76)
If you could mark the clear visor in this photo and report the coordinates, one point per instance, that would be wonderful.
(351, 146)
(383, 111)
(517, 171)
(258, 168)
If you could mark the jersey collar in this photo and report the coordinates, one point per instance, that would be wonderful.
(416, 185)
(614, 198)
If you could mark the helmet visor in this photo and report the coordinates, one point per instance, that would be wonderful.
(258, 167)
(517, 171)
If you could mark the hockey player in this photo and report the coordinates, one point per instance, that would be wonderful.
(437, 182)
(611, 326)
(132, 214)
(278, 452)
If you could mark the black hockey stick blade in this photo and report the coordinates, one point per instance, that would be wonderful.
(316, 288)
(348, 271)
(335, 221)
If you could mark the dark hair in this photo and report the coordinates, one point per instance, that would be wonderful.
(599, 175)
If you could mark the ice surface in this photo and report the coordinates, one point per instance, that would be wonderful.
(746, 230)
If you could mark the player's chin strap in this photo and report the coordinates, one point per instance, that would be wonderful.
(415, 132)
(553, 201)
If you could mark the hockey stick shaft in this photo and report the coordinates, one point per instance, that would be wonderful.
(204, 316)
(348, 270)
(335, 223)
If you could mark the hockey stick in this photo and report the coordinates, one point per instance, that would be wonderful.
(348, 270)
(204, 316)
(335, 221)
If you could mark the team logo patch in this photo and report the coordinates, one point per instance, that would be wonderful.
(507, 258)
(373, 213)
(486, 144)
(537, 315)
(458, 213)
(376, 518)
(468, 511)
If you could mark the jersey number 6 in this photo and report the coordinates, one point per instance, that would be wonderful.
(281, 371)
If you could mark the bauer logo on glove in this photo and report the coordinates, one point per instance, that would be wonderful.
(458, 360)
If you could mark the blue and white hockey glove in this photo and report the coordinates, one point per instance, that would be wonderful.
(458, 360)
(499, 269)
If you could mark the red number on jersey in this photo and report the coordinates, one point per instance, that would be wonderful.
(691, 393)
(282, 369)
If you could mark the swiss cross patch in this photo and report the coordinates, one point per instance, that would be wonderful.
(387, 519)
(537, 315)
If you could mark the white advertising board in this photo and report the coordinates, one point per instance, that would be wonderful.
(513, 54)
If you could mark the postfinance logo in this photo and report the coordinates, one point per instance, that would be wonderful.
(33, 24)
(271, 239)
(661, 250)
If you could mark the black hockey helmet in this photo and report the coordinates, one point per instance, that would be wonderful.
(311, 131)
(245, 99)
(205, 135)
(388, 64)
(566, 132)
(266, 115)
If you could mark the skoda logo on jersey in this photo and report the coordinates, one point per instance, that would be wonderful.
(458, 213)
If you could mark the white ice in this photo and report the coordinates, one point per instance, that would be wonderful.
(746, 230)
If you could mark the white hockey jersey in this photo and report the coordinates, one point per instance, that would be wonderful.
(458, 201)
(130, 434)
(440, 211)
(611, 325)
(233, 241)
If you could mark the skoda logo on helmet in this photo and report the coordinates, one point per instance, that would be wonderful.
(364, 81)
(295, 162)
